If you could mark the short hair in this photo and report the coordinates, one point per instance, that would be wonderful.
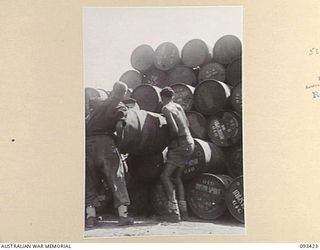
(167, 92)
(119, 88)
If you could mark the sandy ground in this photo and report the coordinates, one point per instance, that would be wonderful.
(151, 226)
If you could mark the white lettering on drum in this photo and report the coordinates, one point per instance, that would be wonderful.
(239, 201)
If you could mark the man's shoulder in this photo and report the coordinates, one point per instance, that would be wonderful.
(178, 106)
(168, 108)
(175, 107)
(164, 108)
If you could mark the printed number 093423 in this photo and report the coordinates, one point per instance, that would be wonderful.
(308, 245)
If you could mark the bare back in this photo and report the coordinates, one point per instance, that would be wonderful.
(175, 112)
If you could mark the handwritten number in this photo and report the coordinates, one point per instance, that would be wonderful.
(313, 51)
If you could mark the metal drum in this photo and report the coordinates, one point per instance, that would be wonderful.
(234, 72)
(91, 94)
(183, 95)
(147, 97)
(139, 197)
(196, 73)
(194, 53)
(235, 199)
(209, 59)
(128, 94)
(224, 129)
(156, 77)
(226, 49)
(206, 158)
(159, 200)
(103, 94)
(182, 74)
(197, 125)
(131, 104)
(236, 98)
(210, 96)
(132, 78)
(206, 195)
(235, 161)
(146, 167)
(212, 71)
(144, 133)
(166, 56)
(142, 58)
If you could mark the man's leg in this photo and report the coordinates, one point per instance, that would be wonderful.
(166, 181)
(120, 194)
(91, 183)
(183, 154)
(181, 193)
(113, 169)
(91, 199)
(91, 194)
(179, 184)
(173, 208)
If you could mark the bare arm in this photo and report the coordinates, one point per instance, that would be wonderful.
(174, 130)
(185, 117)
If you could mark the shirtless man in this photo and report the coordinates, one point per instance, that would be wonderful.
(180, 148)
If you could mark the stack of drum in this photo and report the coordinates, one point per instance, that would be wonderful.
(208, 85)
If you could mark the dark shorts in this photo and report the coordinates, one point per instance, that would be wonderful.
(179, 153)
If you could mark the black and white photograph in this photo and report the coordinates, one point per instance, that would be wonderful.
(163, 121)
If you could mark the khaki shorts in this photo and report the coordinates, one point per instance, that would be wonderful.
(179, 153)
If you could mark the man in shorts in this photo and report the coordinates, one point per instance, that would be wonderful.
(103, 157)
(181, 147)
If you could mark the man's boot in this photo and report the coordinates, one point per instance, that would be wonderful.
(91, 220)
(183, 210)
(174, 214)
(124, 219)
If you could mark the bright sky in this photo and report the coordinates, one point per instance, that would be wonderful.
(111, 34)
